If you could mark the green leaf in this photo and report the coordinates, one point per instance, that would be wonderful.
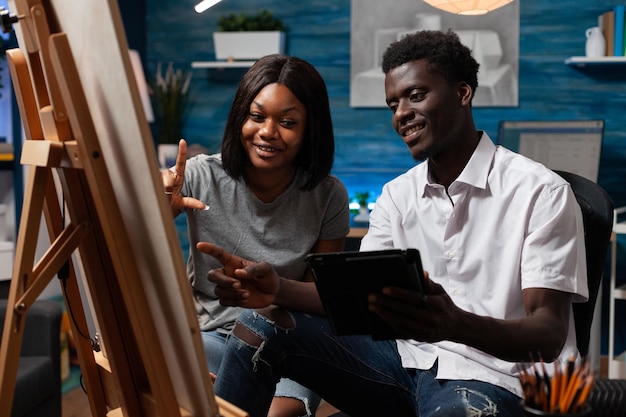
(262, 21)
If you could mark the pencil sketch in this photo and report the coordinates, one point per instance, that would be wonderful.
(493, 39)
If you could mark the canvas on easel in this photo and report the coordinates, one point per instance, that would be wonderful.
(94, 175)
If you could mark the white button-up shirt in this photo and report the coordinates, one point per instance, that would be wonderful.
(505, 224)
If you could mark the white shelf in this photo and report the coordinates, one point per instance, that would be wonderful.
(222, 64)
(583, 61)
(7, 252)
(617, 367)
(620, 292)
(619, 228)
(617, 361)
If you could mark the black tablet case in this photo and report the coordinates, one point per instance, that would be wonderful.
(345, 279)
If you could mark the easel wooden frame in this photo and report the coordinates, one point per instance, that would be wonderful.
(142, 373)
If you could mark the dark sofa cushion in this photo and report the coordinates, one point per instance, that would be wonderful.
(38, 384)
(34, 383)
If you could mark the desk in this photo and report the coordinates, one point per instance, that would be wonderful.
(353, 240)
(357, 232)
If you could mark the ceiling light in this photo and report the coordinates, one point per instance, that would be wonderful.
(205, 4)
(468, 7)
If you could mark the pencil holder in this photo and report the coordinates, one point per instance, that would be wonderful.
(531, 412)
(566, 393)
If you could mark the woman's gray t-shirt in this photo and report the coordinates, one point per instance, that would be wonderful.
(282, 232)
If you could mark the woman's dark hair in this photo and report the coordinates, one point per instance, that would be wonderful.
(315, 158)
(443, 51)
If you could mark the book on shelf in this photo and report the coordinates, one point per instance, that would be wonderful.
(618, 38)
(612, 23)
(606, 21)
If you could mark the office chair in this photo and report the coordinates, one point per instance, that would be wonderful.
(597, 211)
(608, 398)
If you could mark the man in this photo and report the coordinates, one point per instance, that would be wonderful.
(501, 239)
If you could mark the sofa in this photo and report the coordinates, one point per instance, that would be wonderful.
(38, 382)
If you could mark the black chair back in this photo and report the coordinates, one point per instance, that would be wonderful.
(597, 210)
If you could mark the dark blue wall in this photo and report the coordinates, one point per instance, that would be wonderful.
(134, 18)
(368, 153)
(319, 31)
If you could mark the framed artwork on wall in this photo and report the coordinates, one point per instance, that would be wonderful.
(493, 39)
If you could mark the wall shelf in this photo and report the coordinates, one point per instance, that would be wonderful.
(607, 68)
(222, 64)
(582, 61)
(223, 71)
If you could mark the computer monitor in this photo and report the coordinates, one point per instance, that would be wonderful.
(565, 145)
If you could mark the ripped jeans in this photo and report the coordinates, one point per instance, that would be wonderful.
(359, 376)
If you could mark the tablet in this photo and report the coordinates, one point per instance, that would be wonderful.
(345, 279)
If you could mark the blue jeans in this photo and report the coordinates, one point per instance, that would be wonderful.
(359, 376)
(214, 345)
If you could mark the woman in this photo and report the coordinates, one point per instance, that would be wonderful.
(270, 193)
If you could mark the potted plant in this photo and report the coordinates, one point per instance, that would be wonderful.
(246, 36)
(362, 197)
(171, 96)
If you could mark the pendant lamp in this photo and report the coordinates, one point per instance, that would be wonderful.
(468, 7)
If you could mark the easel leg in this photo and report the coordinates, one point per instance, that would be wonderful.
(13, 332)
(74, 306)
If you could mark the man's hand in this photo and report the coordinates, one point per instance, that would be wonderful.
(241, 282)
(413, 314)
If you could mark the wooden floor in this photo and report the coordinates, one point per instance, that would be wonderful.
(76, 404)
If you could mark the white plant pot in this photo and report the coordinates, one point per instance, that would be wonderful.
(248, 45)
(363, 216)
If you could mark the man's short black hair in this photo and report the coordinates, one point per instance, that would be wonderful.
(444, 52)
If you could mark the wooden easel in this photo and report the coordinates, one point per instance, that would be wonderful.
(149, 365)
